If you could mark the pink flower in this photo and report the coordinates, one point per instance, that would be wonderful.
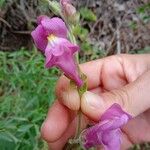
(107, 132)
(50, 37)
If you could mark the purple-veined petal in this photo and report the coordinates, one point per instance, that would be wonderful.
(39, 37)
(107, 132)
(115, 122)
(56, 49)
(68, 45)
(50, 36)
(48, 55)
(58, 46)
(114, 111)
(90, 138)
(93, 135)
(55, 26)
(67, 64)
(40, 18)
(112, 140)
(61, 55)
(72, 47)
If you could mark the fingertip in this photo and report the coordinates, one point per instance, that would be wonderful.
(56, 122)
(71, 99)
(62, 85)
(46, 130)
(92, 105)
(67, 94)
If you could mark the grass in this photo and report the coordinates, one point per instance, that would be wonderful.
(26, 91)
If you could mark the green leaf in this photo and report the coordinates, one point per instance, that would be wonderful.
(145, 50)
(81, 32)
(86, 46)
(24, 128)
(143, 9)
(7, 136)
(133, 25)
(55, 7)
(87, 14)
(2, 3)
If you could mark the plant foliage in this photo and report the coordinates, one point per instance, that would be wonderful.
(26, 92)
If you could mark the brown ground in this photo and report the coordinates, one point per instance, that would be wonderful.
(111, 31)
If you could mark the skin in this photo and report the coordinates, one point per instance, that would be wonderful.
(122, 79)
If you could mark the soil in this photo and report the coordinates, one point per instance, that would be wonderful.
(17, 19)
(113, 25)
(111, 31)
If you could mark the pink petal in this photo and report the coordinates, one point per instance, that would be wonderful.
(62, 57)
(67, 64)
(64, 1)
(112, 140)
(54, 26)
(114, 111)
(107, 132)
(56, 49)
(68, 45)
(115, 123)
(59, 45)
(39, 37)
(40, 18)
(49, 56)
(72, 47)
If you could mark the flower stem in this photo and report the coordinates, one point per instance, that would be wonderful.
(74, 144)
(79, 115)
(73, 40)
(78, 127)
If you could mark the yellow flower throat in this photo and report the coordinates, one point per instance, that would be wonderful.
(51, 37)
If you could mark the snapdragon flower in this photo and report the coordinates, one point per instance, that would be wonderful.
(50, 36)
(108, 131)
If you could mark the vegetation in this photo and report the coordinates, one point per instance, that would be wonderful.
(26, 92)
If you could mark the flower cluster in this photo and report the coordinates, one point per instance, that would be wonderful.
(50, 37)
(108, 131)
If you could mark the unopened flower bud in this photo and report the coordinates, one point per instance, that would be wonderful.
(55, 7)
(69, 11)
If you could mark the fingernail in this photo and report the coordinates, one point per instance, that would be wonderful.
(93, 100)
(92, 105)
(71, 99)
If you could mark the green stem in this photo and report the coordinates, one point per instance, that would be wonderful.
(79, 115)
(78, 127)
(74, 145)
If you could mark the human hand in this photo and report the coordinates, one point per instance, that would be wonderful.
(122, 79)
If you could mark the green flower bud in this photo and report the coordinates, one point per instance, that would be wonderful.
(55, 7)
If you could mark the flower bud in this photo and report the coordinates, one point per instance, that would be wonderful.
(55, 7)
(69, 11)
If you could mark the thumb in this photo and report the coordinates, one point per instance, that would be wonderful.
(134, 98)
